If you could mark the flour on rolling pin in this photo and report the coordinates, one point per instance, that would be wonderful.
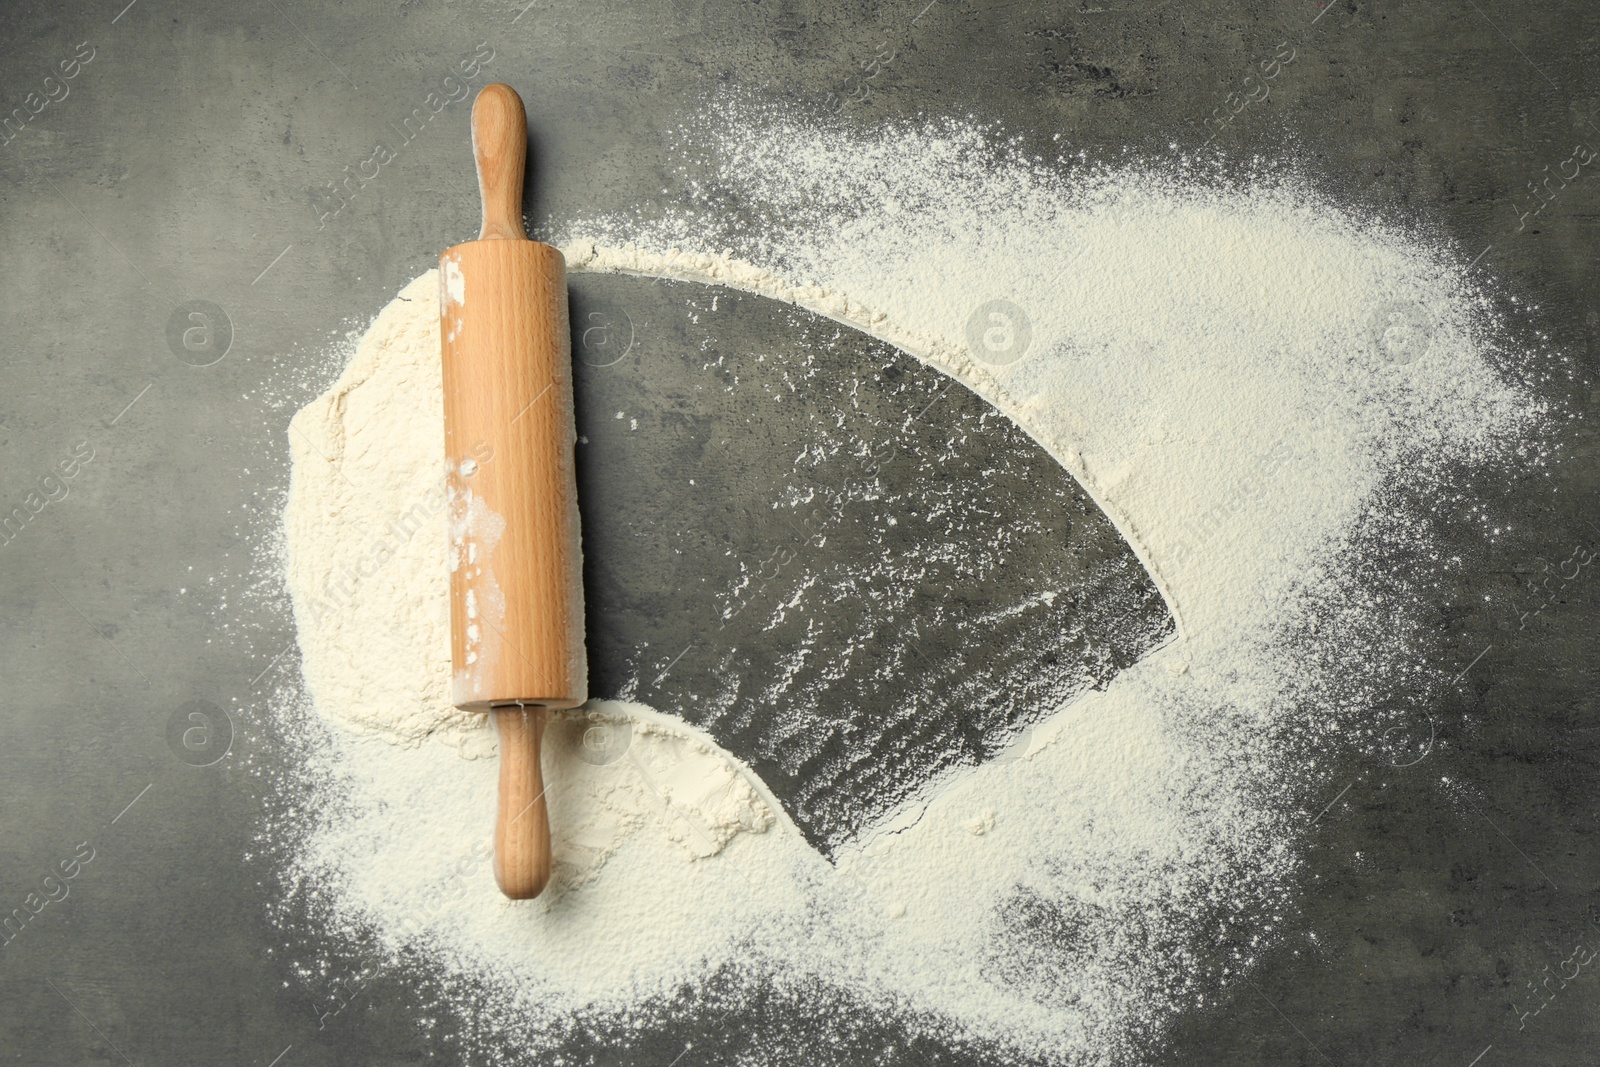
(474, 531)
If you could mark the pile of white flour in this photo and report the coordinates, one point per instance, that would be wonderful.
(1231, 374)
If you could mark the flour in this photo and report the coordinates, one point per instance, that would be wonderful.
(1205, 361)
(367, 542)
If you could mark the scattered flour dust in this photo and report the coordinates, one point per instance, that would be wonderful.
(1212, 364)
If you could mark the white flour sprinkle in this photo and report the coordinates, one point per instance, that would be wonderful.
(1231, 375)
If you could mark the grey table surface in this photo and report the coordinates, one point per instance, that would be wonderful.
(183, 164)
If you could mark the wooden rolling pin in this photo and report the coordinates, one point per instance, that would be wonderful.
(516, 558)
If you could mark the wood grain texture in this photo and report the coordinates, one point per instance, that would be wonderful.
(516, 595)
(516, 578)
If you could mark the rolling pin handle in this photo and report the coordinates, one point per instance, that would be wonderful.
(522, 825)
(500, 145)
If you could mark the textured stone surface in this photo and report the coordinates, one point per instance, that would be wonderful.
(190, 159)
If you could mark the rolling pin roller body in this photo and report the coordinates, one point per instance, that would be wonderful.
(516, 587)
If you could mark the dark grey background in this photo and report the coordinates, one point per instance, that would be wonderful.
(183, 165)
